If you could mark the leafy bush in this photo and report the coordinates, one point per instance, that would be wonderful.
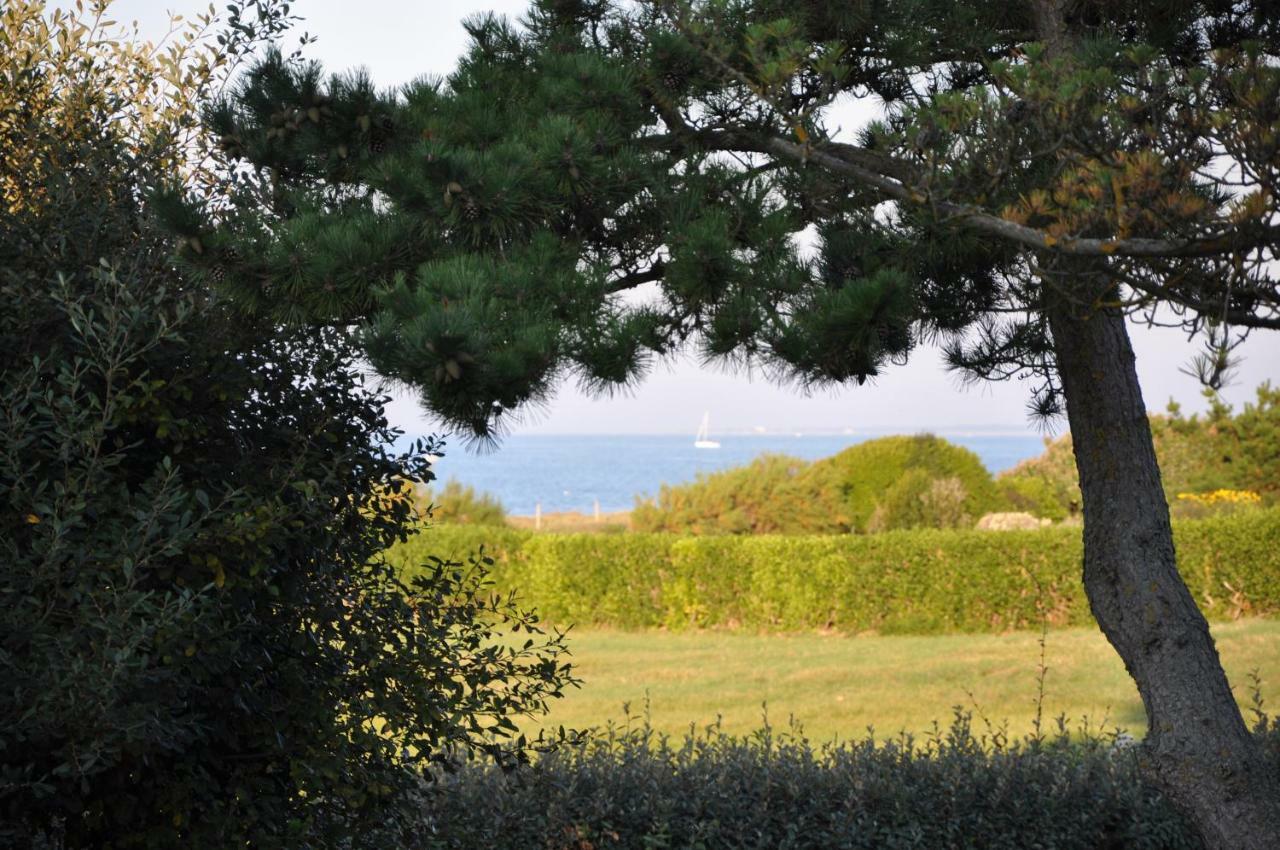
(1215, 503)
(742, 500)
(459, 504)
(918, 501)
(886, 483)
(920, 581)
(628, 787)
(843, 492)
(1041, 495)
(199, 643)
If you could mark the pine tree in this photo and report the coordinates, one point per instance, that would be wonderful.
(1043, 171)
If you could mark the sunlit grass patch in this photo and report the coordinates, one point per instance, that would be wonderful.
(837, 687)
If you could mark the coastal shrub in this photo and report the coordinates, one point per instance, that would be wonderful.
(1040, 496)
(917, 581)
(881, 484)
(459, 504)
(1221, 450)
(1069, 789)
(742, 500)
(918, 501)
(844, 491)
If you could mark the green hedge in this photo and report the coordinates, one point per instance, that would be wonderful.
(629, 787)
(919, 581)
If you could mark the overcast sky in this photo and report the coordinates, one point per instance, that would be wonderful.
(399, 40)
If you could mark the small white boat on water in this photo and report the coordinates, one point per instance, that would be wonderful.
(703, 439)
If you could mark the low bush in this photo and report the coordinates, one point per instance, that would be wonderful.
(1040, 495)
(921, 581)
(742, 500)
(918, 501)
(459, 504)
(631, 788)
(890, 480)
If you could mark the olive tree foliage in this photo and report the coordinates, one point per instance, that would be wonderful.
(200, 645)
(1043, 171)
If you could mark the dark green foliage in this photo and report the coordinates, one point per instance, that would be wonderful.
(200, 645)
(197, 626)
(631, 788)
(920, 582)
(480, 227)
(882, 484)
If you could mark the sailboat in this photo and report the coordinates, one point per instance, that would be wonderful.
(703, 440)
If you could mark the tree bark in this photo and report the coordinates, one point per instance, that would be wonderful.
(1198, 749)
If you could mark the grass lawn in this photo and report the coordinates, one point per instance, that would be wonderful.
(838, 686)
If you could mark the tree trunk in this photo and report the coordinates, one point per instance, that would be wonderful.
(1197, 749)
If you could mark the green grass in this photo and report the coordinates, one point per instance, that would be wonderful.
(838, 686)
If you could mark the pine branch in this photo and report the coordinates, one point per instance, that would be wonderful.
(894, 178)
(981, 220)
(633, 279)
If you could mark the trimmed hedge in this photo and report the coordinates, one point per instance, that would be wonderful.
(920, 581)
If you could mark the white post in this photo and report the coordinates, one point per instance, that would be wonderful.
(537, 516)
(597, 511)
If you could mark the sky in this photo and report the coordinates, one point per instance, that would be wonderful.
(399, 40)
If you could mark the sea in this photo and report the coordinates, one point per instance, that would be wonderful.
(564, 472)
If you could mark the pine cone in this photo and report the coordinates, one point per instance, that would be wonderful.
(677, 75)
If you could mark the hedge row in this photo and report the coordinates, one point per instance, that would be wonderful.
(921, 581)
(633, 789)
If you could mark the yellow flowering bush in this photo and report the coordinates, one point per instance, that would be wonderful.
(1222, 497)
(1214, 502)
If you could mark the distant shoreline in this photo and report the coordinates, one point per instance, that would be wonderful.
(802, 432)
(573, 474)
(570, 521)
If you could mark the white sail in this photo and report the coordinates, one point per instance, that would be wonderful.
(703, 439)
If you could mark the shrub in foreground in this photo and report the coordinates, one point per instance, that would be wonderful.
(630, 788)
(200, 645)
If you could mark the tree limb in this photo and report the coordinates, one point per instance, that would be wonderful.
(889, 175)
(633, 279)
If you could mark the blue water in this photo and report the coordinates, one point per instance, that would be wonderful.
(569, 473)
